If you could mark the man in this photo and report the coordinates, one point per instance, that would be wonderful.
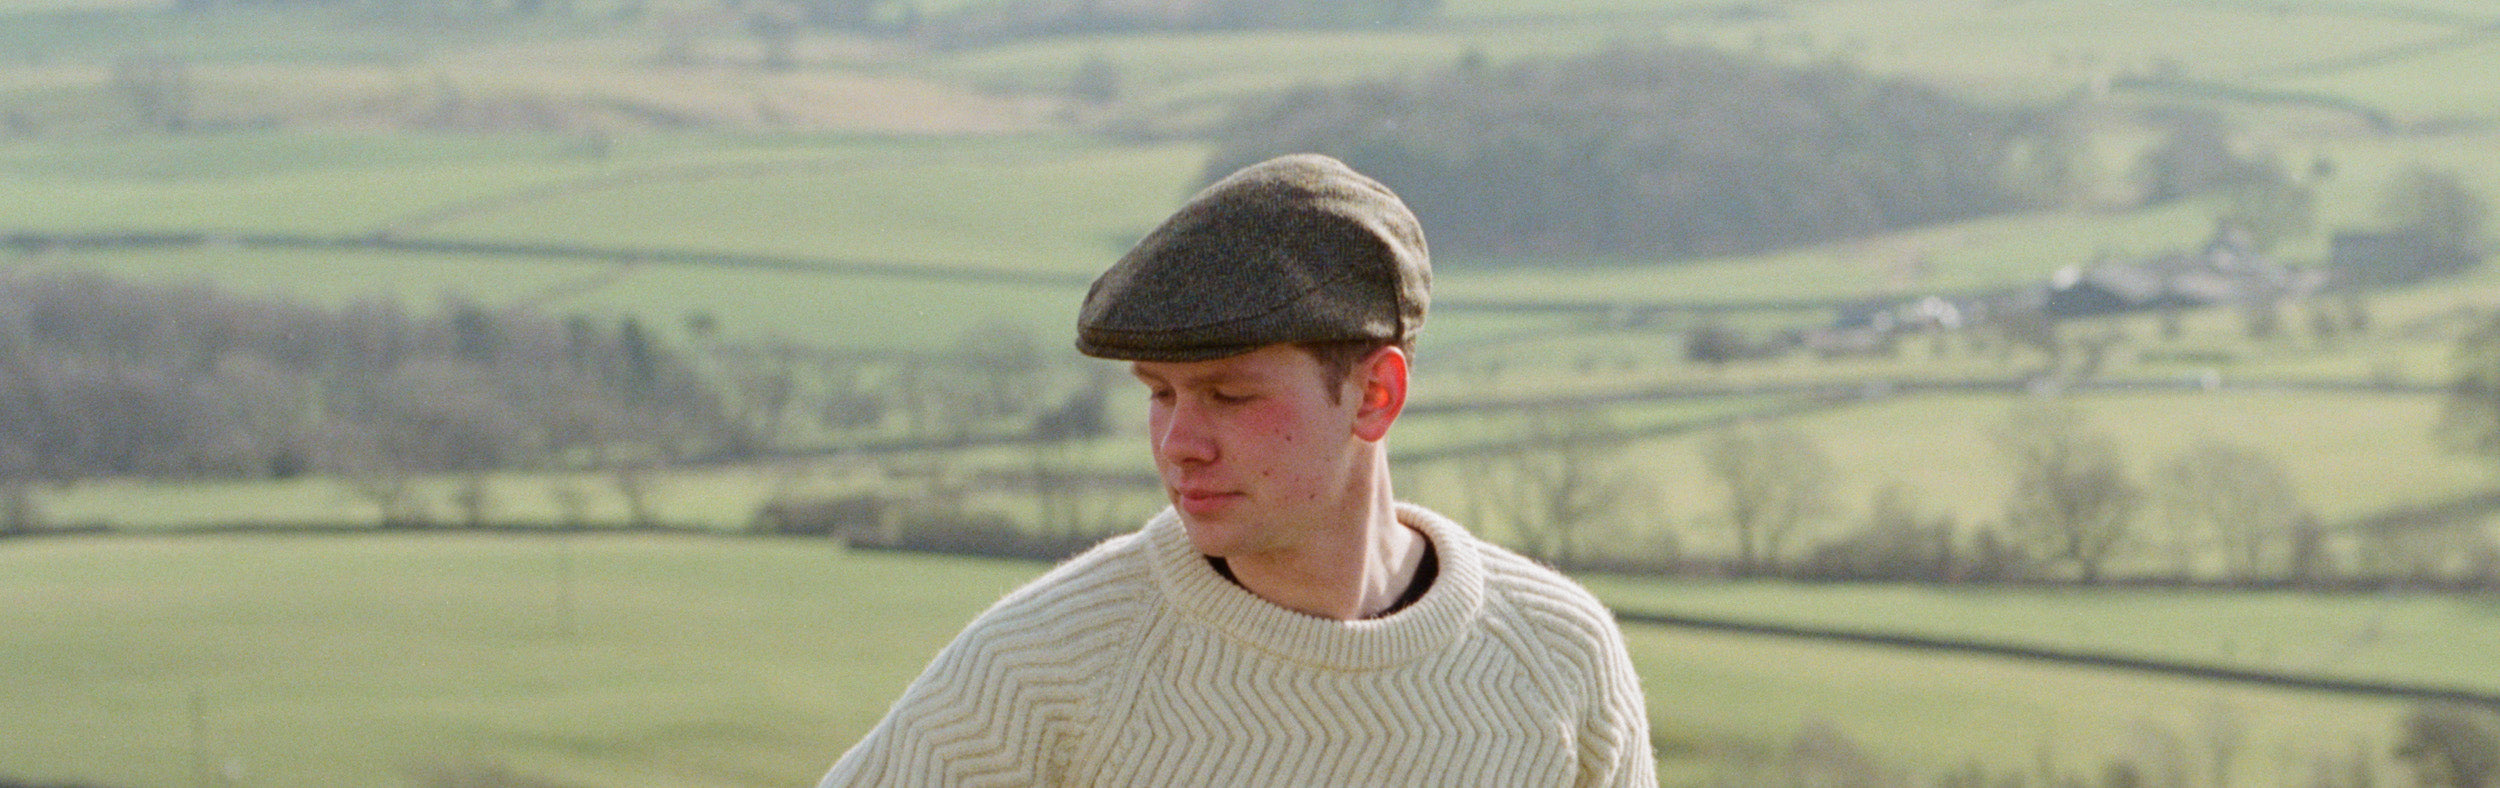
(1286, 621)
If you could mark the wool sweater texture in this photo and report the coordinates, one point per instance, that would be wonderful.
(1136, 664)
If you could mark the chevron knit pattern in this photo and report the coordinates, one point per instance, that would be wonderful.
(1135, 664)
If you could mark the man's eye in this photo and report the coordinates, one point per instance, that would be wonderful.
(1232, 397)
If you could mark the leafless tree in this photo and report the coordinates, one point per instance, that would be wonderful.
(474, 499)
(18, 511)
(759, 382)
(1567, 474)
(365, 465)
(2451, 746)
(1777, 482)
(635, 483)
(2469, 419)
(1062, 487)
(1004, 362)
(2072, 499)
(571, 501)
(271, 410)
(2234, 499)
(99, 377)
(1897, 541)
(847, 396)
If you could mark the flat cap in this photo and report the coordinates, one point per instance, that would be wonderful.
(1298, 248)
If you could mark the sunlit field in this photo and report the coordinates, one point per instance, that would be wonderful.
(677, 660)
(313, 661)
(885, 203)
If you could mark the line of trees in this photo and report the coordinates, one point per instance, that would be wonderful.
(100, 378)
(1666, 152)
(2216, 513)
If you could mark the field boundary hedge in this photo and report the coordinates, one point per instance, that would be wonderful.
(2345, 686)
(34, 242)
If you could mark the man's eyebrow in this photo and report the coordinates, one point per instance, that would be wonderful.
(1214, 378)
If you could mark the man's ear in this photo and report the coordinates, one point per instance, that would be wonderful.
(1382, 394)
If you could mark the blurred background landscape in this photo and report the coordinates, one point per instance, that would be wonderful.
(638, 392)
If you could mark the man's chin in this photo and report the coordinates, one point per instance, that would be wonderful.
(1212, 536)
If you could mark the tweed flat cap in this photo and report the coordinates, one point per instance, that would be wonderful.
(1298, 248)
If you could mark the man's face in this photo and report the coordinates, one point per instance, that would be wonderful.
(1253, 451)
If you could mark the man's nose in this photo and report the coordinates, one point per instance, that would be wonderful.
(1185, 438)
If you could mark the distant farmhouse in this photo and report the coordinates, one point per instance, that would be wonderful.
(2228, 270)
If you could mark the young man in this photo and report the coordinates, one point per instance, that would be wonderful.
(1286, 621)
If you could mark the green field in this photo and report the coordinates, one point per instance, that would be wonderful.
(378, 661)
(673, 661)
(916, 198)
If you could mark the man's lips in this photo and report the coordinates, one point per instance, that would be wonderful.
(1201, 500)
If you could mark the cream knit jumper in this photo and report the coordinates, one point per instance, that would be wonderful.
(1136, 664)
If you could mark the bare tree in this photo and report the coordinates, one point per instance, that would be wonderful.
(474, 498)
(1004, 361)
(1567, 474)
(2469, 420)
(2451, 746)
(2236, 500)
(18, 511)
(367, 467)
(1897, 541)
(270, 408)
(759, 383)
(635, 484)
(2072, 499)
(20, 416)
(847, 396)
(571, 501)
(1777, 481)
(437, 415)
(1058, 440)
(103, 378)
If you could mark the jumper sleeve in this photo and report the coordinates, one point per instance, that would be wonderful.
(1011, 701)
(979, 715)
(1615, 736)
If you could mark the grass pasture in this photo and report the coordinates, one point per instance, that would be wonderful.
(1927, 716)
(358, 657)
(2427, 640)
(323, 661)
(670, 660)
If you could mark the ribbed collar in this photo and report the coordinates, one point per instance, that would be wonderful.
(1435, 621)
